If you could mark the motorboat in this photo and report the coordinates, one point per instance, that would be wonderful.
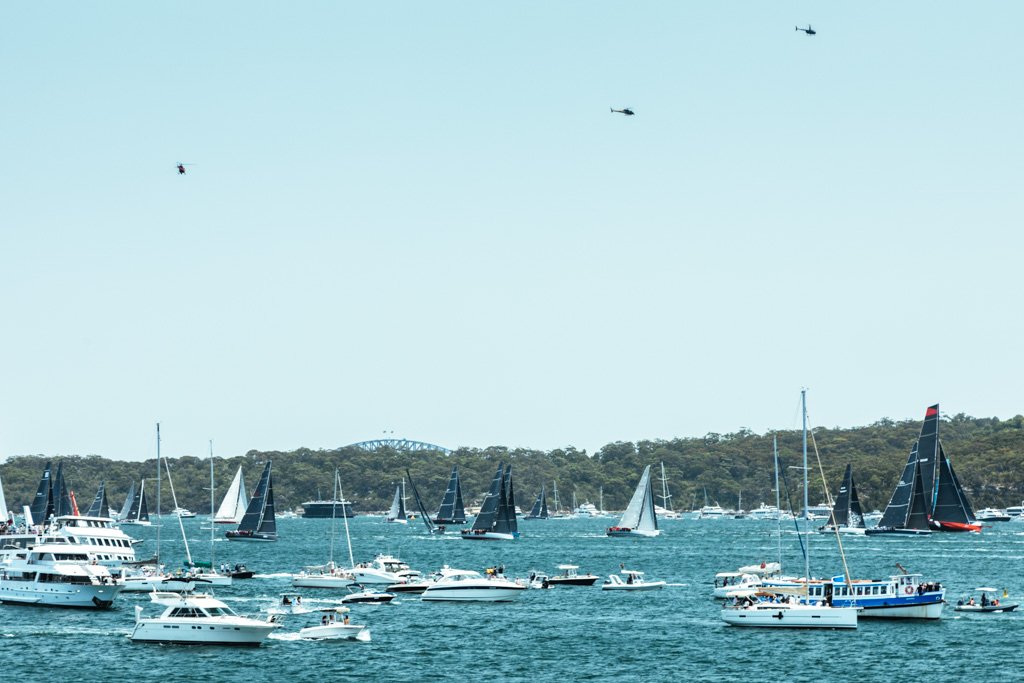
(992, 515)
(55, 574)
(184, 513)
(711, 512)
(323, 576)
(414, 586)
(461, 585)
(903, 596)
(331, 628)
(984, 605)
(730, 584)
(764, 512)
(383, 570)
(240, 571)
(198, 619)
(370, 596)
(634, 582)
(587, 510)
(762, 569)
(570, 576)
(146, 579)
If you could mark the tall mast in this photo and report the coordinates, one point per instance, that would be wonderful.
(778, 496)
(351, 558)
(807, 529)
(158, 477)
(334, 509)
(213, 513)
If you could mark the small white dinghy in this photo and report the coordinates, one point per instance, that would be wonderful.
(634, 582)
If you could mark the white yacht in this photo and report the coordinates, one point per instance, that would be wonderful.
(384, 570)
(587, 510)
(146, 579)
(819, 511)
(461, 585)
(184, 513)
(993, 515)
(711, 512)
(55, 574)
(634, 582)
(198, 618)
(323, 576)
(764, 512)
(331, 628)
(106, 543)
(731, 584)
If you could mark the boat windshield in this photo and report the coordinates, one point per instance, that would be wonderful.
(220, 611)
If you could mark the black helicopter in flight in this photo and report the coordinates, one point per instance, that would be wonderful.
(809, 31)
(627, 111)
(181, 168)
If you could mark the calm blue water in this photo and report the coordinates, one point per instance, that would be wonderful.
(569, 634)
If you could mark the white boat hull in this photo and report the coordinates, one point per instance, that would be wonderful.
(336, 631)
(479, 592)
(52, 594)
(202, 631)
(374, 577)
(932, 611)
(639, 533)
(488, 536)
(321, 581)
(148, 584)
(645, 586)
(787, 616)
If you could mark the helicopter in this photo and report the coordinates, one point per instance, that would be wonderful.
(809, 31)
(181, 168)
(627, 111)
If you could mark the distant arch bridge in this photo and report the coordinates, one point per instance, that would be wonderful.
(400, 445)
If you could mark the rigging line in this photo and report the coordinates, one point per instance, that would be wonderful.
(832, 512)
(789, 499)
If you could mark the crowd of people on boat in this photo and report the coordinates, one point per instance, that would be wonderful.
(923, 588)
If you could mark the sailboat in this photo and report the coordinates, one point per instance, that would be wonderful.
(431, 529)
(235, 502)
(452, 510)
(136, 510)
(328, 575)
(100, 507)
(557, 514)
(949, 509)
(5, 515)
(42, 504)
(397, 512)
(665, 510)
(62, 504)
(790, 607)
(497, 518)
(258, 523)
(639, 519)
(906, 513)
(540, 506)
(847, 516)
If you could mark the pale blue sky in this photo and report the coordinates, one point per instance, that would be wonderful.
(422, 217)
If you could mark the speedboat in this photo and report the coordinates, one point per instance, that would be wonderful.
(571, 577)
(146, 579)
(198, 619)
(634, 582)
(728, 584)
(184, 513)
(323, 576)
(369, 596)
(992, 515)
(331, 628)
(984, 605)
(465, 585)
(56, 575)
(384, 570)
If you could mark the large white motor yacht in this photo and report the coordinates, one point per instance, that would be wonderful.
(384, 570)
(464, 585)
(198, 618)
(55, 574)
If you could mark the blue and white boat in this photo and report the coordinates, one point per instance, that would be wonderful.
(904, 596)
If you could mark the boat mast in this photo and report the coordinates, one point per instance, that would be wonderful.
(177, 513)
(334, 509)
(213, 566)
(351, 558)
(158, 477)
(807, 521)
(778, 497)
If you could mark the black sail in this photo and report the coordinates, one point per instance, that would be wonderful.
(841, 508)
(42, 504)
(950, 502)
(540, 506)
(489, 510)
(918, 517)
(419, 503)
(513, 524)
(61, 499)
(928, 454)
(856, 516)
(268, 522)
(968, 510)
(99, 507)
(253, 517)
(452, 510)
(502, 521)
(896, 512)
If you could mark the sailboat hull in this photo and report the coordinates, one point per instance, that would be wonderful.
(784, 616)
(891, 531)
(473, 535)
(618, 532)
(250, 536)
(955, 526)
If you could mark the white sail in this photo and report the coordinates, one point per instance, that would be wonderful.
(235, 501)
(648, 518)
(631, 518)
(4, 514)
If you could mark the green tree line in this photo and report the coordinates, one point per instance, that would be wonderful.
(987, 453)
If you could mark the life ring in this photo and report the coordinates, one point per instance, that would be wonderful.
(909, 590)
